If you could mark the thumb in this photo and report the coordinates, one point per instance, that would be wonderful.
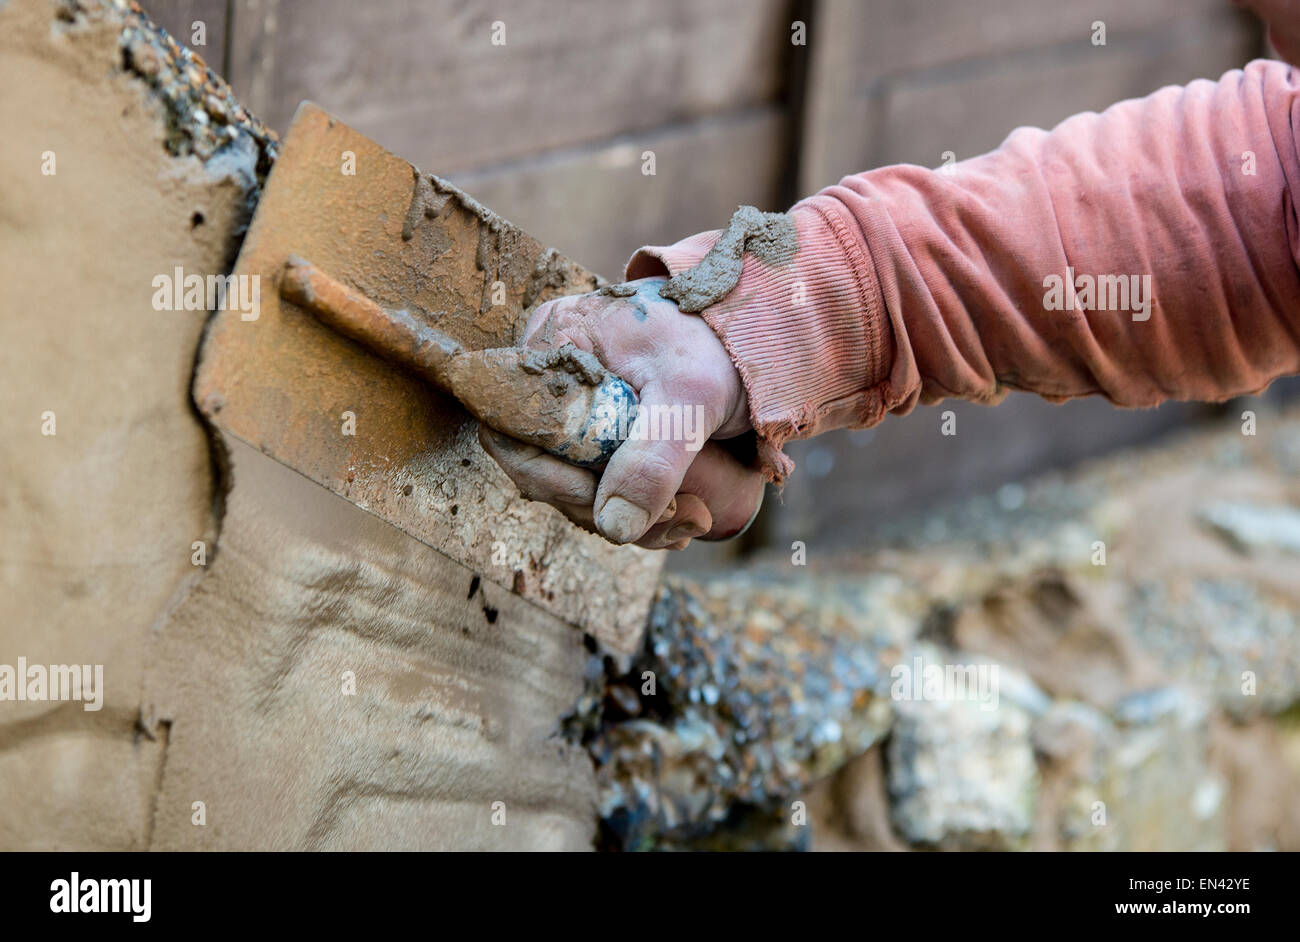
(647, 469)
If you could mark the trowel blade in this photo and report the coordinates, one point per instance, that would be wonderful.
(277, 379)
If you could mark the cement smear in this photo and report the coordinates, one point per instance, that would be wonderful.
(769, 237)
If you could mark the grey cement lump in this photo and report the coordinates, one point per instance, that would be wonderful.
(769, 237)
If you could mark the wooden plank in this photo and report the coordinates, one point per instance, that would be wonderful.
(995, 64)
(918, 118)
(886, 37)
(596, 204)
(179, 18)
(426, 81)
(847, 483)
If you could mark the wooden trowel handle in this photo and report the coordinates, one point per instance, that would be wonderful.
(563, 401)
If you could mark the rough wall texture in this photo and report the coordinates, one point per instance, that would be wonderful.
(1143, 616)
(459, 687)
(99, 517)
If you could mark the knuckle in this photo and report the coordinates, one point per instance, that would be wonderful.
(533, 487)
(528, 489)
(698, 387)
(646, 472)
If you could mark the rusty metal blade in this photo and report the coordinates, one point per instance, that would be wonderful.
(375, 436)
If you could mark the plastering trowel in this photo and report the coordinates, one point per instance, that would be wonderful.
(390, 306)
(563, 401)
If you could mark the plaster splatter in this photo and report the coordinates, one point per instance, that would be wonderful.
(769, 237)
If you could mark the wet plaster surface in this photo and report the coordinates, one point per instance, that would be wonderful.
(100, 518)
(373, 693)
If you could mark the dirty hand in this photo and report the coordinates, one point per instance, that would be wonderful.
(675, 483)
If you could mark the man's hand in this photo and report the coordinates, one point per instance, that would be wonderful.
(658, 491)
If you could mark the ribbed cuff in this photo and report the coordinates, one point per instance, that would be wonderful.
(810, 338)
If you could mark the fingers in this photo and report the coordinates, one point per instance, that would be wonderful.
(543, 477)
(688, 390)
(726, 493)
(687, 517)
(732, 491)
(718, 498)
(647, 469)
(537, 474)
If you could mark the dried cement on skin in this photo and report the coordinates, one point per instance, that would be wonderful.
(770, 237)
(635, 294)
(567, 358)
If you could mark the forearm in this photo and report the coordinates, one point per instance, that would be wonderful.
(911, 284)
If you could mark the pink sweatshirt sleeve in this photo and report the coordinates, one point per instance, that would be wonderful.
(913, 285)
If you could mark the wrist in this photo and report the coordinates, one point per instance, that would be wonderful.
(807, 332)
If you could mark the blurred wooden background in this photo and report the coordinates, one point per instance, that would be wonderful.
(550, 129)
